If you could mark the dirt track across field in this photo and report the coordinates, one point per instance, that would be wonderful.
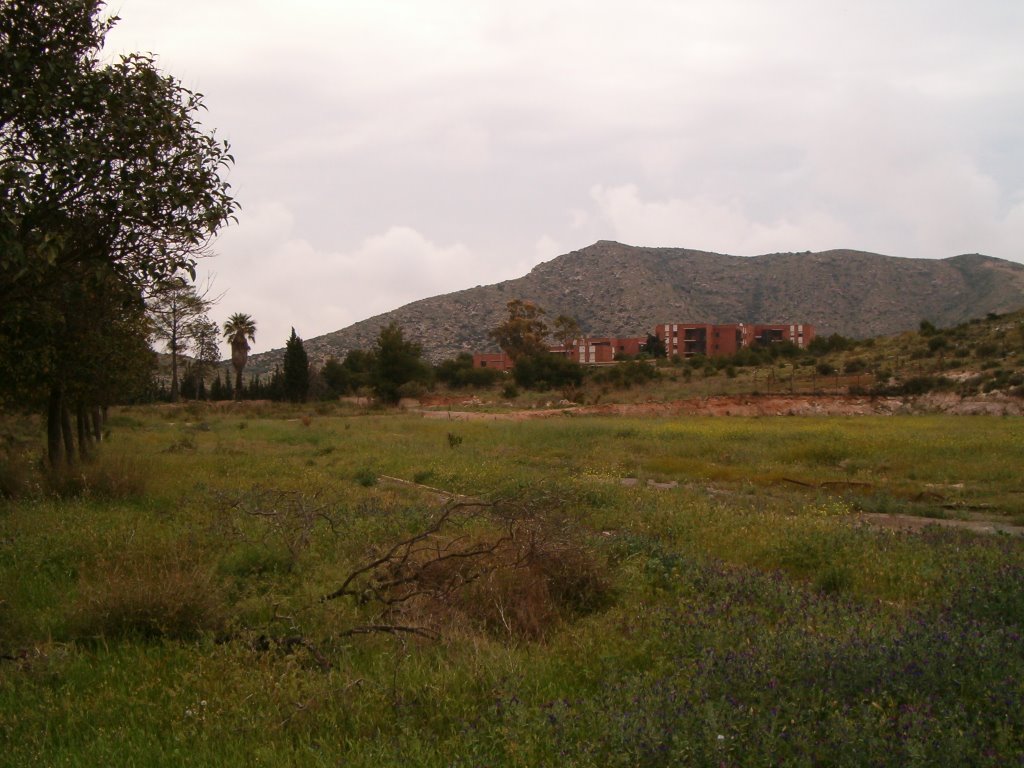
(749, 405)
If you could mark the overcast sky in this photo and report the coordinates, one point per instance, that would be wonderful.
(391, 150)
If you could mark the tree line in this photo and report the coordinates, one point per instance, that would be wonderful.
(110, 190)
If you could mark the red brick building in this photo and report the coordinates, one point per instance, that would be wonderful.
(689, 339)
(602, 349)
(683, 339)
(497, 360)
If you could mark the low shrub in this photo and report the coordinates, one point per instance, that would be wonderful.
(557, 580)
(366, 477)
(107, 476)
(17, 475)
(156, 596)
(546, 371)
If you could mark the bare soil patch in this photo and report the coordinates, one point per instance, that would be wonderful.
(760, 405)
(915, 523)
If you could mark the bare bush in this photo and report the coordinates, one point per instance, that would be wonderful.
(507, 569)
(274, 522)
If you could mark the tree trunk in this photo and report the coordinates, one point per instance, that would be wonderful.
(238, 384)
(53, 428)
(84, 433)
(66, 434)
(174, 370)
(96, 419)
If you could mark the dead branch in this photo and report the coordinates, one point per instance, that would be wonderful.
(436, 562)
(399, 555)
(828, 483)
(393, 629)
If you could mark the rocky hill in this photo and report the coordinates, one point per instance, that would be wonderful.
(616, 289)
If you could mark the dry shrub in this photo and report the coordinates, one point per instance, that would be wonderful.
(163, 595)
(517, 582)
(556, 580)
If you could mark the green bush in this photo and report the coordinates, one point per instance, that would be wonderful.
(459, 372)
(626, 374)
(545, 371)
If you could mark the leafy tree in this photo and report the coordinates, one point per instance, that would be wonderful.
(217, 389)
(296, 370)
(566, 330)
(459, 372)
(398, 362)
(545, 370)
(822, 345)
(654, 346)
(177, 311)
(228, 390)
(335, 378)
(524, 331)
(205, 348)
(237, 329)
(108, 185)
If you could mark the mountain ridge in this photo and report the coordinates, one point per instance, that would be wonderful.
(617, 289)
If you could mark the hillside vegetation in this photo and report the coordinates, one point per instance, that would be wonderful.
(616, 289)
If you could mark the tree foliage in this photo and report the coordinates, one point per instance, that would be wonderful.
(546, 370)
(524, 331)
(108, 185)
(239, 330)
(566, 330)
(296, 369)
(654, 346)
(398, 362)
(177, 313)
(459, 372)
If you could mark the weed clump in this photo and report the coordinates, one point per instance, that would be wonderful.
(149, 597)
(107, 477)
(366, 477)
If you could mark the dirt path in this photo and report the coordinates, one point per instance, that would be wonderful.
(766, 405)
(915, 523)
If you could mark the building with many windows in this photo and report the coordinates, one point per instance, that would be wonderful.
(682, 339)
(689, 339)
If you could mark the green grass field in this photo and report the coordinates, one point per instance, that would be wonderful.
(607, 591)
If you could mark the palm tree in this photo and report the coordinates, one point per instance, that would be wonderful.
(237, 328)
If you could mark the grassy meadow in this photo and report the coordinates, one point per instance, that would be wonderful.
(587, 591)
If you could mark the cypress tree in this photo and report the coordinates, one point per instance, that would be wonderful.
(296, 370)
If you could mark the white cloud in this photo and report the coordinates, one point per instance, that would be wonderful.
(712, 225)
(269, 271)
(391, 151)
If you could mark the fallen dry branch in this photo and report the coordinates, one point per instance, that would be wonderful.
(828, 483)
(513, 568)
(400, 573)
(393, 629)
(265, 643)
